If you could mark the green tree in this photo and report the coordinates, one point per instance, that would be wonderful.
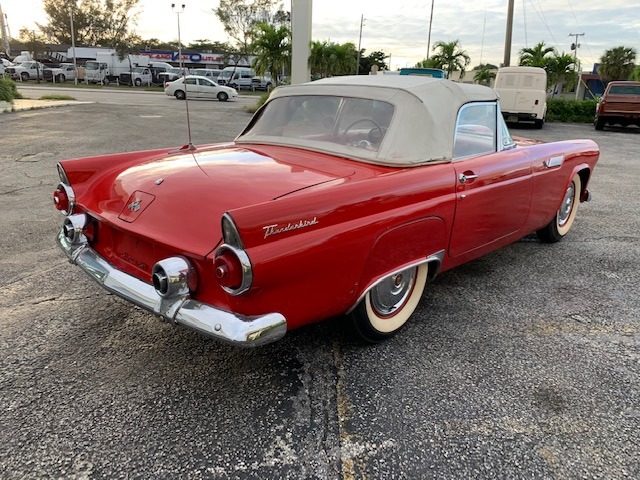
(429, 63)
(319, 59)
(154, 44)
(205, 45)
(617, 63)
(374, 58)
(561, 68)
(635, 75)
(240, 19)
(328, 59)
(484, 73)
(33, 41)
(104, 23)
(535, 56)
(450, 57)
(272, 48)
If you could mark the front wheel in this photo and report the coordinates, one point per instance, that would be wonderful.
(389, 304)
(24, 76)
(179, 94)
(223, 97)
(557, 228)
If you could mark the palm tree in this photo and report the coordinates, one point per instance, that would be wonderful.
(560, 67)
(536, 56)
(329, 59)
(484, 74)
(617, 63)
(450, 57)
(343, 58)
(319, 59)
(428, 63)
(272, 49)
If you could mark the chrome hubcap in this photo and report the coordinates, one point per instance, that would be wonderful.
(392, 292)
(567, 205)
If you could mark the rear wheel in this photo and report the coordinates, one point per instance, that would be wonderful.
(61, 78)
(138, 82)
(24, 76)
(557, 228)
(223, 97)
(389, 304)
(538, 123)
(599, 123)
(179, 94)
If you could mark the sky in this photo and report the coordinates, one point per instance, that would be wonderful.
(400, 28)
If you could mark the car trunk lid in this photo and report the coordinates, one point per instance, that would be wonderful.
(178, 200)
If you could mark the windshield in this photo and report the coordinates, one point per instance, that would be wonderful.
(225, 74)
(138, 70)
(174, 70)
(298, 120)
(91, 65)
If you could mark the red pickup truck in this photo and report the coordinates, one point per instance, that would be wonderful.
(620, 104)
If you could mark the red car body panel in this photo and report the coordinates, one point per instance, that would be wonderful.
(369, 219)
(318, 230)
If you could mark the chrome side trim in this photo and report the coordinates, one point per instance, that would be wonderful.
(236, 329)
(437, 257)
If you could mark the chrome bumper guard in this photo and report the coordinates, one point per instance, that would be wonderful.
(239, 330)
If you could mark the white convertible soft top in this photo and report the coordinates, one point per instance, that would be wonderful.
(423, 124)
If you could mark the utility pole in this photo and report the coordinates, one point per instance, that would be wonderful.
(73, 47)
(574, 47)
(5, 35)
(507, 41)
(359, 44)
(430, 24)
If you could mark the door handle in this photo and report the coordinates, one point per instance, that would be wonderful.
(464, 178)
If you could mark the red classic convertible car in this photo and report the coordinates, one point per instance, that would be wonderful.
(341, 196)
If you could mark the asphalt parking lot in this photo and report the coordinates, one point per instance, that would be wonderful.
(522, 364)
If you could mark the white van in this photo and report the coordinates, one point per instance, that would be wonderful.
(244, 77)
(523, 94)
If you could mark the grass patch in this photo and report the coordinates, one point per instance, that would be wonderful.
(57, 97)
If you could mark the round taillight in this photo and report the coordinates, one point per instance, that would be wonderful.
(61, 200)
(228, 270)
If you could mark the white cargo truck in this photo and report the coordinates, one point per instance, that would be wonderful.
(107, 67)
(523, 94)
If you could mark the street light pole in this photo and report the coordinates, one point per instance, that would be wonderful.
(430, 23)
(507, 40)
(178, 11)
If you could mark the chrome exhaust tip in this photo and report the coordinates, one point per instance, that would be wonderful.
(173, 277)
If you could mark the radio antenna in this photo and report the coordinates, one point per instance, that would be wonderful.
(178, 11)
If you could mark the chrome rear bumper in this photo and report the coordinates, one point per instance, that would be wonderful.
(239, 330)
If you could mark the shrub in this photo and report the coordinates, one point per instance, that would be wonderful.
(261, 101)
(8, 90)
(562, 110)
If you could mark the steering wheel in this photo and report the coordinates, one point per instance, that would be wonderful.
(377, 128)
